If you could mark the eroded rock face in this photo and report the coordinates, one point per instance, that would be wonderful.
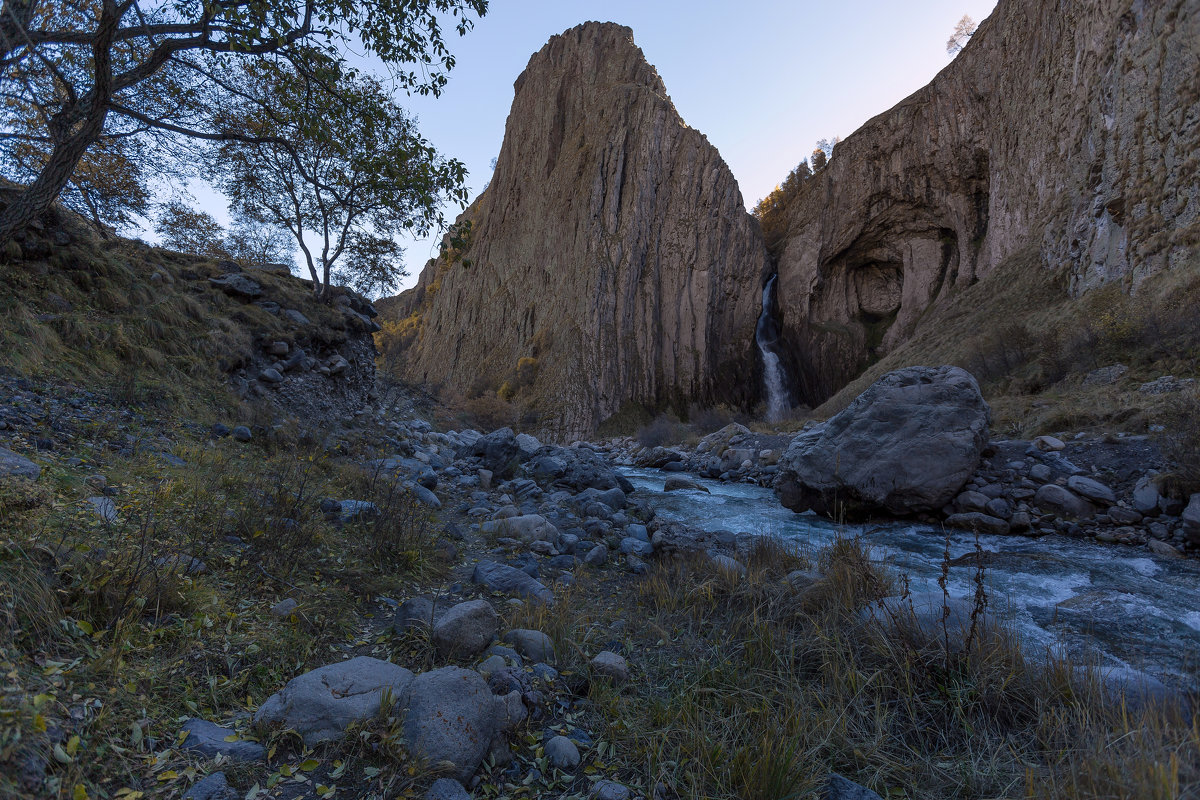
(612, 251)
(1068, 130)
(907, 444)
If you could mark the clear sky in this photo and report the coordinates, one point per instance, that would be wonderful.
(762, 79)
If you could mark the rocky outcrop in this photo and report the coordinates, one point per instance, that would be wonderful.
(1068, 129)
(907, 444)
(611, 260)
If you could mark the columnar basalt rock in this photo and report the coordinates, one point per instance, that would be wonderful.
(1069, 128)
(610, 261)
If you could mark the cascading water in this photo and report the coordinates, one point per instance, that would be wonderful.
(767, 337)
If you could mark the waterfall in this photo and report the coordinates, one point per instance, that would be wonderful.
(767, 335)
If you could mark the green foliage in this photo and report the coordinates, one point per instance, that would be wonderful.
(189, 231)
(338, 164)
(123, 82)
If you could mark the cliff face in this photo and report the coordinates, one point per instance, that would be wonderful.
(1073, 127)
(611, 260)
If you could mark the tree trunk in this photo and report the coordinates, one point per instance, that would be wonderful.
(38, 196)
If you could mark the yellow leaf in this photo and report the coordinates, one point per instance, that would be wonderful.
(168, 775)
(130, 794)
(39, 723)
(233, 737)
(309, 765)
(85, 626)
(72, 745)
(79, 792)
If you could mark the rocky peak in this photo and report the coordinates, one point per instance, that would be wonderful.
(611, 260)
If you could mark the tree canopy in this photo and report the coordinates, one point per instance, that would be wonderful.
(78, 76)
(343, 168)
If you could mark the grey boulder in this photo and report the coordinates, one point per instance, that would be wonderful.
(466, 629)
(447, 789)
(209, 739)
(451, 719)
(528, 528)
(534, 645)
(15, 466)
(1092, 490)
(562, 753)
(510, 580)
(212, 787)
(1055, 499)
(907, 444)
(839, 788)
(611, 665)
(322, 703)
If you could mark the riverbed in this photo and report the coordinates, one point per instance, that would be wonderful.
(1108, 604)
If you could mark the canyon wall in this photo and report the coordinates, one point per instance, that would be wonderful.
(611, 260)
(1070, 126)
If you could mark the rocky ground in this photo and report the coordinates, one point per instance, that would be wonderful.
(493, 652)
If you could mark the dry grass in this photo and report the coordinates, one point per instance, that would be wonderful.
(109, 640)
(746, 688)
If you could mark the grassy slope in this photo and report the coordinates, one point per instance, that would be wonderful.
(138, 322)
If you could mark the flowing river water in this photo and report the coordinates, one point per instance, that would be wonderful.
(1109, 604)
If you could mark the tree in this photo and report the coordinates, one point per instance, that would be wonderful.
(257, 243)
(74, 74)
(962, 32)
(345, 172)
(189, 231)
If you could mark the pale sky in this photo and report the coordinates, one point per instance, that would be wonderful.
(762, 79)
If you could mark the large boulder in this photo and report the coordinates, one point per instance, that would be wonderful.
(451, 718)
(498, 451)
(321, 704)
(907, 444)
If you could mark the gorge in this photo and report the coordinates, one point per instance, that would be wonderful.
(613, 236)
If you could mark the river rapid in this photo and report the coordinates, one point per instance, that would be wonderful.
(1107, 604)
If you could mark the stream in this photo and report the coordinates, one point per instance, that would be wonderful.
(1109, 604)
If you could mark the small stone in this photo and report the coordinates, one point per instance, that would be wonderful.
(279, 349)
(270, 375)
(611, 665)
(1041, 472)
(1163, 549)
(609, 790)
(211, 740)
(729, 566)
(447, 789)
(839, 788)
(980, 523)
(1092, 490)
(596, 556)
(534, 645)
(284, 607)
(242, 434)
(104, 507)
(212, 787)
(562, 753)
(1049, 444)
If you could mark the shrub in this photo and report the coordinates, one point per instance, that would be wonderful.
(662, 430)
